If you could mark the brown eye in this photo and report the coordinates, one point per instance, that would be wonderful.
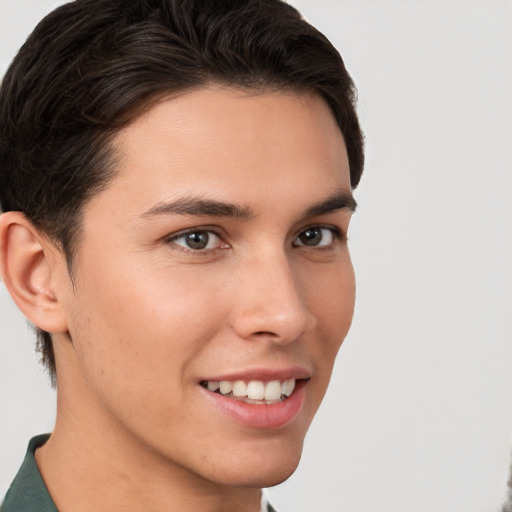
(197, 240)
(315, 237)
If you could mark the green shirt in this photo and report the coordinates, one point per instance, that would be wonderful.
(28, 493)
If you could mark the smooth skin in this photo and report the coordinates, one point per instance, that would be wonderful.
(148, 316)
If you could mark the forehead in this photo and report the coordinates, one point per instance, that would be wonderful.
(223, 141)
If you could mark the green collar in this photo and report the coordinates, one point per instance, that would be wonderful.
(28, 491)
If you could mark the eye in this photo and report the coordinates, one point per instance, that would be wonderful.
(316, 237)
(199, 240)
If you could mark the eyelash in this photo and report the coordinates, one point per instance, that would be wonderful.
(199, 252)
(337, 234)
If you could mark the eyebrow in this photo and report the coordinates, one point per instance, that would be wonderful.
(200, 206)
(193, 205)
(341, 200)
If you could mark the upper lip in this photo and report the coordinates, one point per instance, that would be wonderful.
(263, 374)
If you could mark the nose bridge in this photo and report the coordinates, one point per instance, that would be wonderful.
(270, 302)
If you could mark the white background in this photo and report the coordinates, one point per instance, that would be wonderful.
(419, 413)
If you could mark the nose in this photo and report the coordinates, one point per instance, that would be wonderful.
(269, 302)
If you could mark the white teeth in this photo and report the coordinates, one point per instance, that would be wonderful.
(213, 385)
(225, 387)
(288, 387)
(270, 392)
(240, 388)
(273, 390)
(256, 390)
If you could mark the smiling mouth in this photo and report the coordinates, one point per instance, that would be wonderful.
(255, 392)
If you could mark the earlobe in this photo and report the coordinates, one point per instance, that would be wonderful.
(28, 264)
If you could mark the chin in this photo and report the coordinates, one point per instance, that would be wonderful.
(279, 477)
(265, 471)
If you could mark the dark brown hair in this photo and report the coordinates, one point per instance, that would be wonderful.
(91, 66)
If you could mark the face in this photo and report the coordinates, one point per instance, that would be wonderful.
(213, 284)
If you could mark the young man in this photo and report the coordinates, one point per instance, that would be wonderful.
(176, 178)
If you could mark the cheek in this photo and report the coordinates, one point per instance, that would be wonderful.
(144, 330)
(330, 296)
(331, 299)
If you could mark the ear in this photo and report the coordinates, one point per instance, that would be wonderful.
(29, 266)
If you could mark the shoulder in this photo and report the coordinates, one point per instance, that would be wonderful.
(28, 492)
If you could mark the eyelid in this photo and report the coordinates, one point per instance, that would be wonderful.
(169, 239)
(195, 229)
(338, 234)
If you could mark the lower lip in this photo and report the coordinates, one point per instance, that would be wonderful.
(262, 416)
